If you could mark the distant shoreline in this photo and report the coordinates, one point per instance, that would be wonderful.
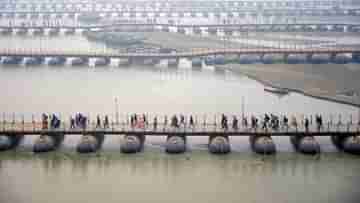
(300, 91)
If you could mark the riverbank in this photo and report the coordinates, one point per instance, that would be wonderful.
(333, 82)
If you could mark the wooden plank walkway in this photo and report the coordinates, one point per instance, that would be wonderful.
(200, 129)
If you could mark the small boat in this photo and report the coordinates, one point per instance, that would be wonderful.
(279, 91)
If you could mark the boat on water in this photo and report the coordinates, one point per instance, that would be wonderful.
(278, 91)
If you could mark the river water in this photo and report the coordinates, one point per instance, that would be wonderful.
(153, 176)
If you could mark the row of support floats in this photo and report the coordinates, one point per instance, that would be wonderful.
(218, 144)
(195, 61)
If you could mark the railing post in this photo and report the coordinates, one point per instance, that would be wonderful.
(204, 121)
(215, 122)
(13, 122)
(33, 121)
(331, 119)
(23, 122)
(3, 121)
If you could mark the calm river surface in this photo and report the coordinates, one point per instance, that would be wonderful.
(153, 176)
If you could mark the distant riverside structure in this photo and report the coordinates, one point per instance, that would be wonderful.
(184, 7)
(140, 26)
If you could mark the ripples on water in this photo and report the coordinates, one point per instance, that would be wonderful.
(191, 177)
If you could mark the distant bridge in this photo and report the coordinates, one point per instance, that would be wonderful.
(179, 13)
(198, 28)
(198, 56)
(188, 54)
(176, 4)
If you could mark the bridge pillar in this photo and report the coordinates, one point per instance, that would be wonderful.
(219, 144)
(231, 58)
(349, 28)
(103, 61)
(346, 143)
(309, 57)
(306, 144)
(228, 31)
(90, 143)
(173, 62)
(34, 16)
(219, 60)
(297, 58)
(126, 61)
(196, 62)
(341, 58)
(196, 30)
(181, 30)
(175, 144)
(69, 31)
(47, 142)
(53, 31)
(8, 142)
(132, 143)
(71, 15)
(262, 144)
(38, 31)
(6, 31)
(54, 61)
(33, 61)
(249, 58)
(150, 61)
(165, 29)
(332, 57)
(21, 31)
(356, 57)
(79, 61)
(212, 30)
(273, 58)
(321, 58)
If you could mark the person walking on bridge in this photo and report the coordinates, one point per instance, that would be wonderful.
(286, 122)
(307, 125)
(265, 122)
(235, 123)
(294, 122)
(245, 122)
(165, 121)
(72, 122)
(45, 122)
(191, 121)
(98, 122)
(106, 122)
(155, 123)
(182, 120)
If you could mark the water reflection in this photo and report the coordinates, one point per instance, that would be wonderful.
(155, 163)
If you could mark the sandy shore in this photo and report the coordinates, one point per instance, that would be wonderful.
(328, 81)
(186, 42)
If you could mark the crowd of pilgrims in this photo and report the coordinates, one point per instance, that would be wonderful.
(268, 121)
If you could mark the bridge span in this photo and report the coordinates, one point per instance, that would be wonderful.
(345, 136)
(198, 56)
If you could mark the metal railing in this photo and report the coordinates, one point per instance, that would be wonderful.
(202, 125)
